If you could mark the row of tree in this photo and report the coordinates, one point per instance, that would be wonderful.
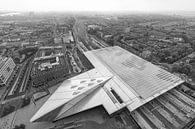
(21, 126)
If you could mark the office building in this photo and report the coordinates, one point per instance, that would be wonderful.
(7, 66)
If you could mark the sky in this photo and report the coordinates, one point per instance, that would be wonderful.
(97, 5)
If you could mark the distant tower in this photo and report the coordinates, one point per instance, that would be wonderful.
(31, 14)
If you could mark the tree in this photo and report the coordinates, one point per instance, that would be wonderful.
(175, 54)
(25, 102)
(161, 55)
(186, 69)
(17, 127)
(193, 45)
(170, 59)
(193, 74)
(22, 126)
(176, 67)
(192, 61)
(186, 38)
(167, 52)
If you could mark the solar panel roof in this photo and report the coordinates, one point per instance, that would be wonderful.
(140, 75)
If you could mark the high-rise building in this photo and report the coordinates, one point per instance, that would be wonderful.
(31, 14)
(7, 66)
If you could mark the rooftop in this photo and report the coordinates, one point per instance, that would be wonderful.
(131, 82)
(47, 64)
(3, 61)
(139, 75)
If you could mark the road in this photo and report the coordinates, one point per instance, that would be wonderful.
(98, 42)
(21, 82)
(26, 75)
(14, 87)
(78, 61)
(75, 67)
(85, 41)
(81, 36)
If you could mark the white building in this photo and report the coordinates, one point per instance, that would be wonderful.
(48, 65)
(68, 38)
(7, 66)
(120, 79)
(57, 40)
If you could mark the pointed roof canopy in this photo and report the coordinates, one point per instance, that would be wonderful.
(68, 94)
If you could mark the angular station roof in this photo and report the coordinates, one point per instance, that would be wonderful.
(140, 75)
(68, 94)
(126, 81)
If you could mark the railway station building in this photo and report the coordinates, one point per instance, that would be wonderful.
(119, 79)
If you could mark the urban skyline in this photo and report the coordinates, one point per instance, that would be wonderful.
(100, 5)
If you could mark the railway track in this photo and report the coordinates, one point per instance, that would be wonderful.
(172, 110)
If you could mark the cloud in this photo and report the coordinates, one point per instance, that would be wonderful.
(97, 5)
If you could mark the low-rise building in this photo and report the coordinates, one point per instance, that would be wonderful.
(7, 66)
(48, 69)
(57, 40)
(49, 65)
(68, 38)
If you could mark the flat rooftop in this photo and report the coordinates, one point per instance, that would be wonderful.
(36, 70)
(48, 52)
(141, 76)
(135, 80)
